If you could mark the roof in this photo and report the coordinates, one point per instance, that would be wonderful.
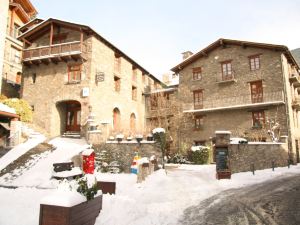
(30, 24)
(222, 42)
(88, 30)
(27, 6)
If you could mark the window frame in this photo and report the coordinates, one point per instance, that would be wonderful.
(117, 84)
(197, 73)
(198, 122)
(134, 93)
(72, 75)
(198, 94)
(227, 74)
(255, 65)
(258, 116)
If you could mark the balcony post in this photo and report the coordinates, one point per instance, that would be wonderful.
(51, 34)
(81, 39)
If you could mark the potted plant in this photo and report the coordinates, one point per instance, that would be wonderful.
(139, 138)
(119, 137)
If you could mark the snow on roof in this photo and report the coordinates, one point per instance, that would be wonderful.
(63, 198)
(64, 174)
(222, 132)
(5, 108)
(163, 90)
(158, 130)
(238, 141)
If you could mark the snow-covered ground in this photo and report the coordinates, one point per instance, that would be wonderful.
(160, 199)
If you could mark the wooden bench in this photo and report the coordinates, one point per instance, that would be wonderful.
(64, 166)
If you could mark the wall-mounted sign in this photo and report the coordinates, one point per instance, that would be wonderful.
(99, 76)
(85, 92)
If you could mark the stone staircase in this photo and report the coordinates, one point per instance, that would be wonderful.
(71, 134)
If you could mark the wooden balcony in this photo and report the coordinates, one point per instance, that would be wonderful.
(296, 103)
(54, 53)
(236, 102)
(295, 80)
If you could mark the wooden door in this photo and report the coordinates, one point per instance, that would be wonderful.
(73, 118)
(256, 91)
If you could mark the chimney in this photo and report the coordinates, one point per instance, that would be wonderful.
(186, 54)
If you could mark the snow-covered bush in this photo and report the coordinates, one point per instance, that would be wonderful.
(178, 158)
(87, 186)
(23, 109)
(198, 155)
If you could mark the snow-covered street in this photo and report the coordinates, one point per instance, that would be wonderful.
(160, 199)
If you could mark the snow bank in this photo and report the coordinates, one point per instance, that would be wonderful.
(69, 173)
(20, 150)
(5, 108)
(63, 198)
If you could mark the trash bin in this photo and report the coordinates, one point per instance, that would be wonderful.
(88, 161)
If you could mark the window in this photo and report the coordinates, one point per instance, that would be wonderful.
(258, 119)
(134, 93)
(33, 78)
(199, 143)
(15, 55)
(74, 73)
(117, 64)
(153, 102)
(227, 73)
(134, 74)
(254, 62)
(117, 82)
(197, 75)
(256, 91)
(198, 122)
(198, 99)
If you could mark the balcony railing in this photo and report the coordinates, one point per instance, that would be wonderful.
(240, 101)
(224, 78)
(52, 51)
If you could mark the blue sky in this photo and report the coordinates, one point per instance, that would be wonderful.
(155, 32)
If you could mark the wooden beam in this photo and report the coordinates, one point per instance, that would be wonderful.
(51, 34)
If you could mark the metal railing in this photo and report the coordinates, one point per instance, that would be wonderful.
(52, 50)
(233, 101)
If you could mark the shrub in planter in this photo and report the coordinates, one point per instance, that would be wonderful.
(199, 155)
(87, 186)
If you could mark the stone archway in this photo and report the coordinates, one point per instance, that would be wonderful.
(70, 116)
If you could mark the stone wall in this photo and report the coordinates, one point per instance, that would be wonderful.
(238, 120)
(124, 153)
(242, 156)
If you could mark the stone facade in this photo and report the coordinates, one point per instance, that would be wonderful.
(243, 156)
(18, 14)
(227, 103)
(47, 86)
(124, 153)
(3, 27)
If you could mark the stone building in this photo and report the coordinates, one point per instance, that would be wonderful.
(16, 13)
(245, 87)
(73, 76)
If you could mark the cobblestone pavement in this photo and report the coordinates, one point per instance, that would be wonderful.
(276, 202)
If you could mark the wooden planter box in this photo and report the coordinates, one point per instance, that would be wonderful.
(84, 213)
(107, 187)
